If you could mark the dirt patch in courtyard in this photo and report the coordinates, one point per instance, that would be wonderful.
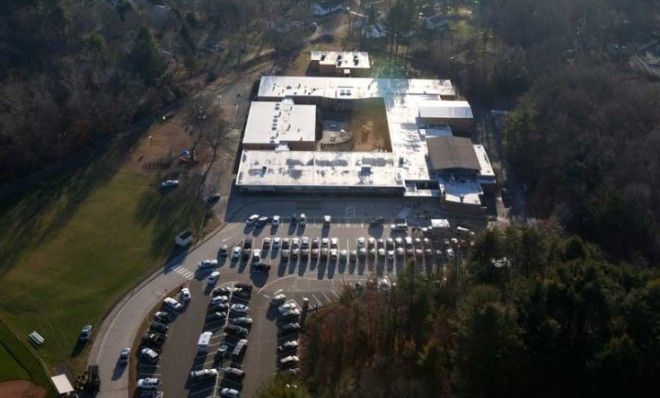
(367, 126)
(21, 389)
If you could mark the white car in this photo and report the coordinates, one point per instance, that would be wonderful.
(276, 220)
(252, 219)
(172, 303)
(149, 383)
(149, 354)
(213, 278)
(361, 241)
(228, 393)
(124, 354)
(334, 242)
(196, 374)
(236, 253)
(302, 219)
(288, 345)
(277, 241)
(256, 256)
(169, 183)
(277, 299)
(327, 220)
(209, 263)
(291, 359)
(343, 254)
(185, 294)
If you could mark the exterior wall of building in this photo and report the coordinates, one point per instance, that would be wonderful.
(392, 191)
(462, 125)
(293, 145)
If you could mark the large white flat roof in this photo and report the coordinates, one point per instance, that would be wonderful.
(446, 109)
(342, 59)
(279, 122)
(350, 87)
(408, 160)
(311, 168)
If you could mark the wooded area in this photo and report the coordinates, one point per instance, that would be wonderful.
(73, 72)
(559, 321)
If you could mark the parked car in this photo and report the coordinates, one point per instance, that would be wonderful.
(290, 327)
(276, 220)
(169, 184)
(261, 267)
(218, 307)
(291, 313)
(243, 286)
(233, 372)
(172, 303)
(241, 321)
(209, 263)
(149, 354)
(85, 333)
(252, 219)
(223, 350)
(158, 327)
(148, 383)
(229, 393)
(236, 253)
(289, 361)
(240, 308)
(288, 345)
(203, 373)
(213, 278)
(224, 250)
(236, 330)
(287, 306)
(153, 340)
(326, 220)
(185, 294)
(219, 299)
(277, 300)
(302, 219)
(216, 316)
(220, 291)
(161, 316)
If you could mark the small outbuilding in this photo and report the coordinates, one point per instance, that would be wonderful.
(62, 385)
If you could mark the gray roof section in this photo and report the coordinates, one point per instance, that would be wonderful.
(452, 153)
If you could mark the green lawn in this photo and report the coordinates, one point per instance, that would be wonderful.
(17, 362)
(76, 244)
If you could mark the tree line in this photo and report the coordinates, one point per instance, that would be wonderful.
(557, 319)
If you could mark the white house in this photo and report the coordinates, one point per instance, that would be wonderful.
(327, 7)
(375, 31)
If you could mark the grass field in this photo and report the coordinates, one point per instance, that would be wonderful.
(17, 362)
(70, 248)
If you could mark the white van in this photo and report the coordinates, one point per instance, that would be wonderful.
(240, 346)
(204, 341)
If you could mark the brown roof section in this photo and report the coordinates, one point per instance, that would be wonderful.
(452, 153)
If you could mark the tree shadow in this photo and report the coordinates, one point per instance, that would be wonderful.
(171, 212)
(31, 219)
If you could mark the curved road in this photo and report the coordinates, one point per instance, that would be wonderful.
(120, 326)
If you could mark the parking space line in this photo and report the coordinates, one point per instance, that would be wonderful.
(317, 300)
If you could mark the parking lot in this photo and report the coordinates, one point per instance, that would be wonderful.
(316, 278)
